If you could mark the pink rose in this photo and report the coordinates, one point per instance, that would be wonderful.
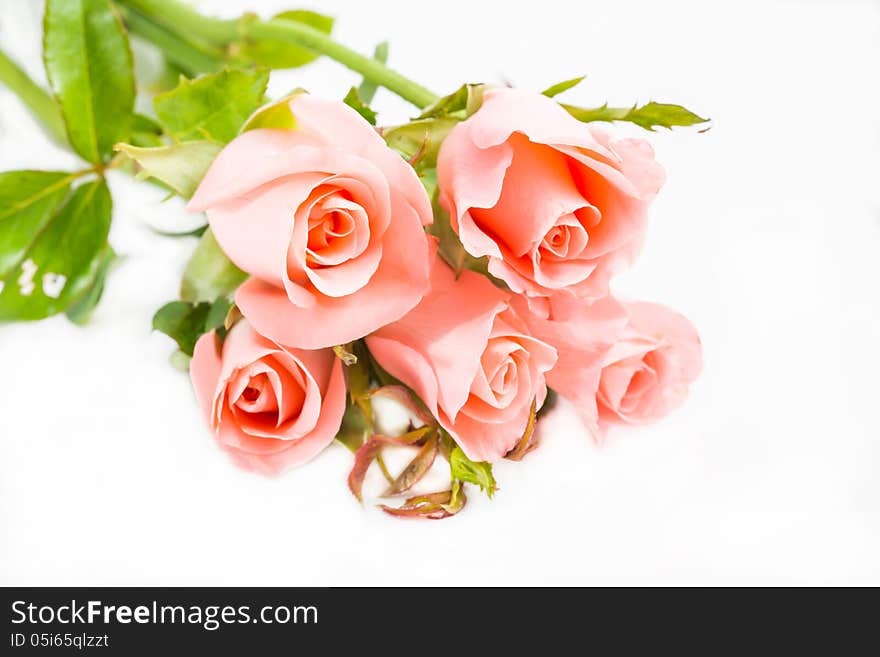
(556, 204)
(327, 220)
(647, 372)
(582, 333)
(470, 359)
(271, 407)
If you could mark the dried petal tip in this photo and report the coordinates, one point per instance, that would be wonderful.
(433, 506)
(367, 453)
(344, 354)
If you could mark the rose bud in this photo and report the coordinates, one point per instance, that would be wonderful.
(470, 359)
(556, 204)
(582, 333)
(326, 219)
(270, 407)
(647, 372)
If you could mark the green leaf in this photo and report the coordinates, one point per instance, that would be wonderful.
(359, 374)
(186, 322)
(61, 263)
(145, 132)
(353, 100)
(182, 51)
(368, 88)
(28, 199)
(275, 115)
(180, 166)
(473, 472)
(195, 232)
(649, 116)
(81, 311)
(180, 361)
(429, 180)
(354, 428)
(565, 85)
(183, 322)
(216, 317)
(460, 104)
(419, 140)
(213, 106)
(283, 54)
(89, 65)
(40, 104)
(209, 274)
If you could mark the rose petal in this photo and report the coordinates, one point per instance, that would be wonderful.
(582, 332)
(310, 445)
(649, 369)
(251, 160)
(255, 232)
(205, 369)
(397, 286)
(339, 124)
(538, 189)
(256, 442)
(449, 329)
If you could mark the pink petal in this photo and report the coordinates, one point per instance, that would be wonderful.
(537, 191)
(249, 161)
(481, 441)
(339, 124)
(398, 285)
(541, 119)
(204, 369)
(582, 332)
(450, 329)
(293, 453)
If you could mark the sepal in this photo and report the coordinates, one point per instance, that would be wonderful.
(460, 104)
(472, 472)
(213, 106)
(355, 102)
(179, 166)
(561, 87)
(649, 116)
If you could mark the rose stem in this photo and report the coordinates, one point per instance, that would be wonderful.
(38, 101)
(175, 16)
(189, 57)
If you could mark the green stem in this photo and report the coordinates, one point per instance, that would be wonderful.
(178, 17)
(368, 88)
(370, 68)
(39, 102)
(189, 57)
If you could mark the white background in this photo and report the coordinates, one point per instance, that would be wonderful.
(767, 236)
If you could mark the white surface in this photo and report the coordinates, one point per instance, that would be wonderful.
(767, 235)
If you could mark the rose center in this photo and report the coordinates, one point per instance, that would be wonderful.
(257, 395)
(338, 231)
(504, 378)
(337, 224)
(267, 394)
(556, 240)
(568, 238)
(643, 379)
(501, 362)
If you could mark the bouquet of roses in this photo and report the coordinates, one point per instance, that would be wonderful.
(458, 264)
